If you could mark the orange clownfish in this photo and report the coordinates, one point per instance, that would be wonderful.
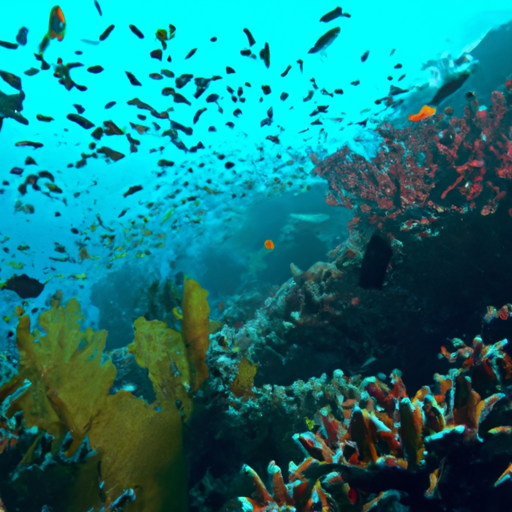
(425, 112)
(56, 28)
(269, 245)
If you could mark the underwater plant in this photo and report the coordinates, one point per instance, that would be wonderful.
(105, 449)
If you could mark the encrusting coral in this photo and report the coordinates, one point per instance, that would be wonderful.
(133, 450)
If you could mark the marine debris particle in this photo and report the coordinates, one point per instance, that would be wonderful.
(375, 263)
(26, 287)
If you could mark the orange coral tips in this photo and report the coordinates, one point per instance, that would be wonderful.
(425, 112)
(269, 245)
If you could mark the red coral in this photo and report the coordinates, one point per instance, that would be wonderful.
(424, 164)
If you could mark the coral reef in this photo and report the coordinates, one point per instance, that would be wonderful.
(442, 449)
(424, 165)
(438, 284)
(105, 449)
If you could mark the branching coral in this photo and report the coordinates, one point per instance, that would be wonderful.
(393, 447)
(421, 165)
(63, 390)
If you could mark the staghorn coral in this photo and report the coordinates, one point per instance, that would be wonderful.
(134, 454)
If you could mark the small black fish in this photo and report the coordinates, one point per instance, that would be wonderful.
(332, 15)
(286, 71)
(300, 62)
(110, 104)
(365, 55)
(44, 64)
(8, 46)
(107, 32)
(31, 72)
(26, 287)
(326, 40)
(321, 109)
(95, 69)
(179, 98)
(392, 52)
(395, 91)
(283, 96)
(265, 55)
(191, 53)
(156, 54)
(249, 37)
(132, 190)
(213, 39)
(79, 108)
(98, 7)
(229, 70)
(132, 79)
(355, 82)
(11, 79)
(449, 88)
(183, 80)
(81, 121)
(398, 66)
(212, 98)
(177, 126)
(266, 89)
(136, 31)
(97, 133)
(21, 38)
(246, 53)
(309, 96)
(198, 114)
